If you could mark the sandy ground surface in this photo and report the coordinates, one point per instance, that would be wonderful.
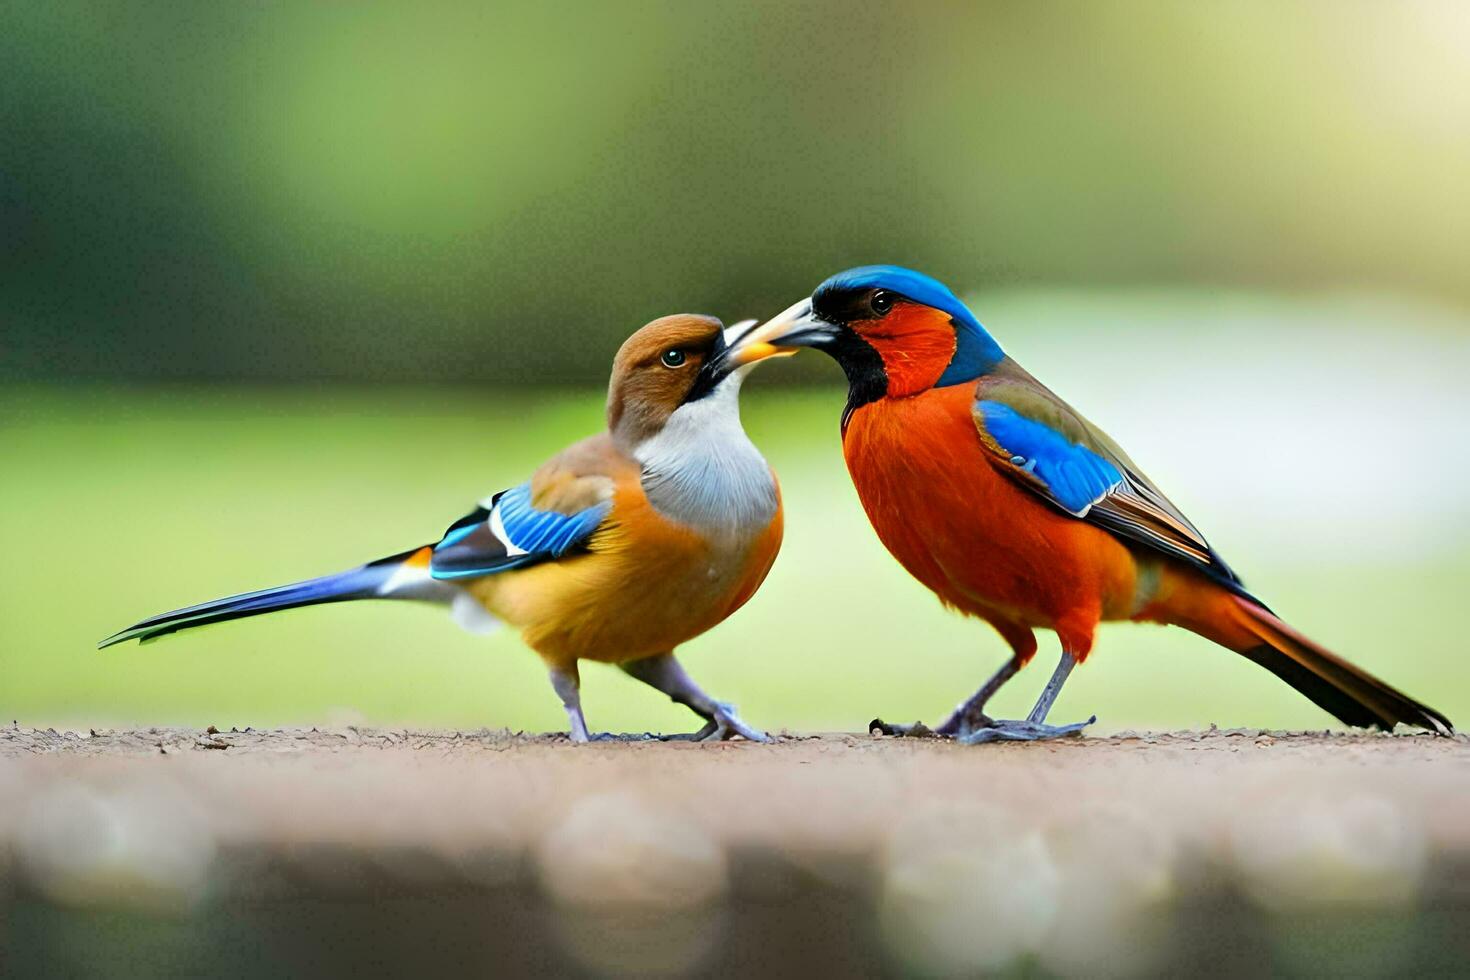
(1084, 855)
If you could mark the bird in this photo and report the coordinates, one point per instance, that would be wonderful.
(618, 549)
(1013, 508)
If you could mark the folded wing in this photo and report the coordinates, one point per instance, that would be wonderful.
(1042, 442)
(545, 519)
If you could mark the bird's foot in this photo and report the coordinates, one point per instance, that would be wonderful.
(917, 730)
(725, 724)
(584, 737)
(1020, 731)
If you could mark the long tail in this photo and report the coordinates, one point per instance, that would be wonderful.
(401, 576)
(1344, 690)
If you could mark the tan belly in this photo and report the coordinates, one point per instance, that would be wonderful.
(634, 594)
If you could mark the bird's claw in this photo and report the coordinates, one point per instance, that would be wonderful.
(917, 730)
(725, 724)
(1021, 731)
(612, 737)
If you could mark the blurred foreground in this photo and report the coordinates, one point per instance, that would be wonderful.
(1244, 853)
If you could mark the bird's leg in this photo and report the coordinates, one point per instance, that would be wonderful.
(968, 717)
(1034, 728)
(1053, 687)
(568, 684)
(971, 715)
(664, 673)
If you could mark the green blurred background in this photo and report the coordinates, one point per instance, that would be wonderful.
(285, 288)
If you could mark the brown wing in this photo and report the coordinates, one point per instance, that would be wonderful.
(580, 476)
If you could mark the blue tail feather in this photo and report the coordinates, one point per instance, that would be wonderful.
(358, 583)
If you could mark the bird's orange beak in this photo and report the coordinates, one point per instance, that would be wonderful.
(742, 349)
(732, 358)
(783, 334)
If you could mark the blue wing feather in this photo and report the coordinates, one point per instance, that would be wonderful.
(543, 530)
(472, 547)
(1075, 476)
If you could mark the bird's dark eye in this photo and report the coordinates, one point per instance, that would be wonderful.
(673, 357)
(881, 301)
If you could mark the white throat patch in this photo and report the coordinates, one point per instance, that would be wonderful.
(703, 470)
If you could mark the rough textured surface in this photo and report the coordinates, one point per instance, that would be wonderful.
(17, 741)
(1084, 855)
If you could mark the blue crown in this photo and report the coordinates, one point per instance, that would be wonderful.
(976, 352)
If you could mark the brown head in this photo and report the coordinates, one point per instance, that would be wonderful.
(669, 363)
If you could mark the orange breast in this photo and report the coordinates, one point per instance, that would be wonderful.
(981, 542)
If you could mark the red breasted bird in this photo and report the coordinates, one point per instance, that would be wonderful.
(1013, 508)
(618, 549)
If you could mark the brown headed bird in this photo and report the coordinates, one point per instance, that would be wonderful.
(618, 549)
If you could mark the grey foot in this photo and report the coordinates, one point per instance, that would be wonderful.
(725, 724)
(1021, 731)
(917, 730)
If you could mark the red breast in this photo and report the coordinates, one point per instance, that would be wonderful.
(982, 543)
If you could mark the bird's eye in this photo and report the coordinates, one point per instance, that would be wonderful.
(881, 301)
(673, 357)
